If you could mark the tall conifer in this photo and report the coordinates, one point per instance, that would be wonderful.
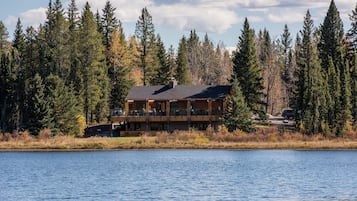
(119, 65)
(247, 70)
(236, 113)
(181, 73)
(163, 74)
(95, 80)
(145, 33)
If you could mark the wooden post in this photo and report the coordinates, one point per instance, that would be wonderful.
(188, 108)
(126, 109)
(209, 107)
(167, 108)
(146, 108)
(189, 113)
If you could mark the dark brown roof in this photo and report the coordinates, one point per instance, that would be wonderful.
(163, 92)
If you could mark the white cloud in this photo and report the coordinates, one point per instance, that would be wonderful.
(203, 18)
(33, 17)
(212, 16)
(255, 19)
(126, 10)
(286, 16)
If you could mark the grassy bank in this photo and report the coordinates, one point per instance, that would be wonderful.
(263, 138)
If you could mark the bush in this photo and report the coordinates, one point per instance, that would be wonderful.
(45, 134)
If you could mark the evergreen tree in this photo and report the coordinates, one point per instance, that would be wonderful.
(64, 106)
(330, 43)
(311, 84)
(145, 33)
(38, 113)
(119, 63)
(352, 33)
(288, 65)
(98, 20)
(286, 45)
(95, 80)
(334, 95)
(163, 75)
(171, 60)
(345, 124)
(246, 69)
(181, 73)
(4, 35)
(75, 76)
(207, 61)
(8, 107)
(354, 91)
(236, 113)
(136, 72)
(56, 50)
(19, 37)
(331, 46)
(194, 58)
(109, 23)
(19, 50)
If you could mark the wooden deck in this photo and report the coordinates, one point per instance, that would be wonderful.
(201, 118)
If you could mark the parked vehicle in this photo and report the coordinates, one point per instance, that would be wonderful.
(288, 114)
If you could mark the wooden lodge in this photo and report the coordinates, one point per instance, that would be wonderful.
(170, 107)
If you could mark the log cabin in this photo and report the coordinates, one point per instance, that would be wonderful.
(170, 107)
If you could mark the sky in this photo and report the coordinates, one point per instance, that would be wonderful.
(220, 19)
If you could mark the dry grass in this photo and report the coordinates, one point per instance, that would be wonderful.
(263, 138)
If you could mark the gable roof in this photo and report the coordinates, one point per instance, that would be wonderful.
(164, 92)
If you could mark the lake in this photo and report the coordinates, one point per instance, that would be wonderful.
(179, 175)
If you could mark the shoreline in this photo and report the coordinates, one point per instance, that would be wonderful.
(263, 139)
(100, 146)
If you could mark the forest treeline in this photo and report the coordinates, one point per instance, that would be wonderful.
(78, 66)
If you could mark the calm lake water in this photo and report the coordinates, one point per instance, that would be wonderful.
(179, 175)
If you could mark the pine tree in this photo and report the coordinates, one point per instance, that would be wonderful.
(56, 50)
(181, 73)
(171, 57)
(334, 94)
(75, 78)
(311, 84)
(352, 33)
(207, 61)
(354, 91)
(145, 33)
(236, 113)
(246, 69)
(95, 80)
(330, 42)
(194, 58)
(331, 48)
(163, 75)
(119, 63)
(8, 109)
(64, 105)
(38, 113)
(19, 45)
(345, 124)
(286, 45)
(4, 35)
(98, 20)
(109, 23)
(136, 72)
(288, 65)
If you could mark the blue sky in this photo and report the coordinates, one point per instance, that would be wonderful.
(221, 19)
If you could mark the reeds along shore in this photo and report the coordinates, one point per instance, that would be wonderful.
(263, 138)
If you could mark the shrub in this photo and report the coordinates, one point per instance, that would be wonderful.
(45, 134)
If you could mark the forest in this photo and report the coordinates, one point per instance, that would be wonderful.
(78, 66)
